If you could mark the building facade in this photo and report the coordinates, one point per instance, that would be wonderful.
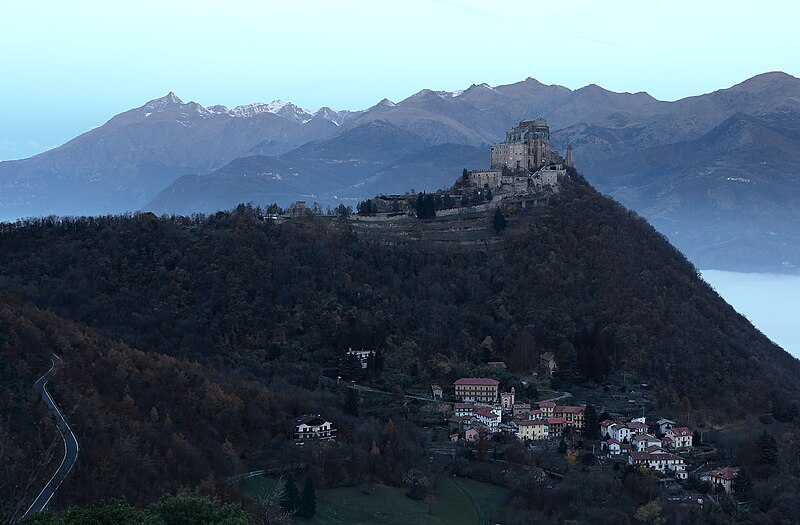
(527, 146)
(532, 430)
(681, 437)
(723, 477)
(310, 427)
(477, 389)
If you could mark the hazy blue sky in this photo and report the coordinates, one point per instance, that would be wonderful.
(67, 67)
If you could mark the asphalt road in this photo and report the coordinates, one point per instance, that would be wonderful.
(70, 445)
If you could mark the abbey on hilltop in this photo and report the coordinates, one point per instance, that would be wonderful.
(524, 157)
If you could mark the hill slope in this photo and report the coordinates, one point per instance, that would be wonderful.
(583, 277)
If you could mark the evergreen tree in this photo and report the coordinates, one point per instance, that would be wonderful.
(562, 445)
(426, 206)
(591, 424)
(499, 222)
(290, 498)
(742, 483)
(351, 402)
(769, 449)
(307, 506)
(350, 367)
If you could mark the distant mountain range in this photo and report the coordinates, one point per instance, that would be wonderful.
(719, 174)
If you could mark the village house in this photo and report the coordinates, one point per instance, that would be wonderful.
(436, 392)
(477, 389)
(573, 416)
(664, 425)
(310, 427)
(661, 461)
(362, 356)
(612, 445)
(547, 361)
(641, 442)
(556, 426)
(532, 430)
(723, 477)
(622, 431)
(489, 417)
(547, 408)
(605, 426)
(472, 434)
(681, 437)
(520, 408)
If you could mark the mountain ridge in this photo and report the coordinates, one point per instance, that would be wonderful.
(127, 162)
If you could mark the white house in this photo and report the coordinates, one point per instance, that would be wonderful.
(310, 427)
(489, 417)
(613, 447)
(637, 427)
(641, 442)
(362, 356)
(681, 437)
(661, 461)
(620, 432)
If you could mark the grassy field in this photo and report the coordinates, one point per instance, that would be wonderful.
(455, 501)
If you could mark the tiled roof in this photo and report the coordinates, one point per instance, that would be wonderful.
(547, 404)
(724, 473)
(532, 422)
(555, 420)
(680, 431)
(648, 456)
(480, 381)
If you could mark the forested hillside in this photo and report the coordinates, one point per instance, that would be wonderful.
(586, 279)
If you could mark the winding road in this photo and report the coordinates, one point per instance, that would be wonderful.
(70, 445)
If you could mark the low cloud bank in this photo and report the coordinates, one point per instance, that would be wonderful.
(770, 301)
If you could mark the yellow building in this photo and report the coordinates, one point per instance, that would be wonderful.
(533, 430)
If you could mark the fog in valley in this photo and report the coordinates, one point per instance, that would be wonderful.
(770, 301)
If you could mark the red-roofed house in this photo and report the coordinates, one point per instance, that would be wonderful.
(477, 389)
(612, 445)
(556, 425)
(723, 476)
(547, 408)
(640, 442)
(604, 425)
(681, 437)
(573, 416)
(489, 417)
(637, 427)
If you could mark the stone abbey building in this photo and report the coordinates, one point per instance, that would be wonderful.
(527, 146)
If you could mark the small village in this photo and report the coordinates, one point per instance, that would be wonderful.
(476, 411)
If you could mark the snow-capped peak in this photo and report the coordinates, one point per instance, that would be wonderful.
(276, 107)
(160, 104)
(218, 109)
